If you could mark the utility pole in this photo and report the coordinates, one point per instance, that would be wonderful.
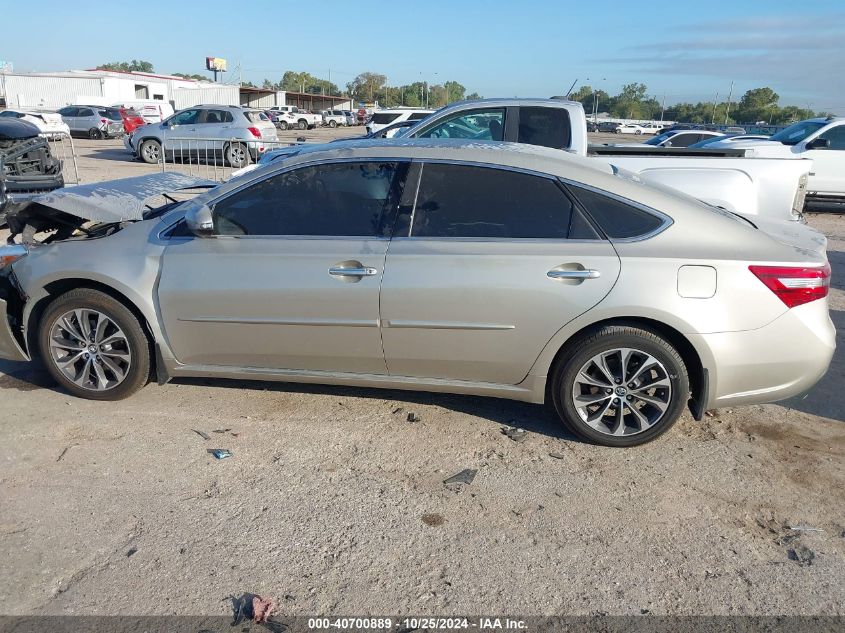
(663, 107)
(728, 107)
(715, 101)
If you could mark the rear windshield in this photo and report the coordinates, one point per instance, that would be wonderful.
(383, 118)
(111, 113)
(255, 117)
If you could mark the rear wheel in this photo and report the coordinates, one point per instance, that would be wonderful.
(94, 346)
(150, 151)
(620, 386)
(302, 124)
(283, 125)
(94, 133)
(237, 155)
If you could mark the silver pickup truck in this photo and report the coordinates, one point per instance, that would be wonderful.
(770, 187)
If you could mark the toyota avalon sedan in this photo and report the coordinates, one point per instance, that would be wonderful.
(465, 267)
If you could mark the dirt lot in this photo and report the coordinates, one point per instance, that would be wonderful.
(335, 504)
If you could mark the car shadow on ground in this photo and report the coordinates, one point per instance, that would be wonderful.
(112, 153)
(531, 417)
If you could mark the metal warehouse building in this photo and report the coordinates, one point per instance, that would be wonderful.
(104, 87)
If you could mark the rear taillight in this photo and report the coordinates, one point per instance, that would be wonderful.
(794, 286)
(255, 132)
(104, 120)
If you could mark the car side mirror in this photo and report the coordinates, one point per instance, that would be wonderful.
(200, 221)
(819, 143)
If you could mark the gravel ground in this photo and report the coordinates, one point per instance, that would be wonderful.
(335, 504)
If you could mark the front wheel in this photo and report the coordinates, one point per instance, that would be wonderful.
(150, 151)
(94, 346)
(620, 386)
(638, 132)
(302, 124)
(332, 124)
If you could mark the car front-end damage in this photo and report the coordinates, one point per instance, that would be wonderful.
(27, 164)
(74, 214)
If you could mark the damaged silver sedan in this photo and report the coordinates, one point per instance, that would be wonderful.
(466, 267)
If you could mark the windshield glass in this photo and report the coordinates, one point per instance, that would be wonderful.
(797, 132)
(657, 140)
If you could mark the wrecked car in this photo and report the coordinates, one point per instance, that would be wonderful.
(469, 267)
(27, 165)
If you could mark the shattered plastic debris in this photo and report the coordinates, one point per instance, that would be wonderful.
(131, 551)
(557, 455)
(252, 607)
(464, 477)
(805, 528)
(516, 434)
(220, 453)
(801, 554)
(413, 417)
(222, 430)
(202, 434)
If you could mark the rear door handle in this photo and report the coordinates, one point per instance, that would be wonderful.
(364, 271)
(573, 274)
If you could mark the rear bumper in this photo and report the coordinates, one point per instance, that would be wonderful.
(9, 347)
(782, 359)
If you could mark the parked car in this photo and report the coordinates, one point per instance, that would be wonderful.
(49, 124)
(233, 133)
(618, 303)
(727, 140)
(608, 126)
(819, 139)
(28, 164)
(630, 128)
(153, 110)
(301, 119)
(682, 138)
(93, 121)
(351, 117)
(651, 128)
(382, 118)
(132, 120)
(333, 118)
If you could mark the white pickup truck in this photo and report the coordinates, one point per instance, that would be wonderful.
(770, 187)
(294, 117)
(823, 141)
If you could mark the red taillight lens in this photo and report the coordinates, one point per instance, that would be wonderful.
(794, 286)
(104, 120)
(255, 132)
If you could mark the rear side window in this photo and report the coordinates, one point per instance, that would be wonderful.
(548, 127)
(253, 116)
(417, 116)
(217, 116)
(383, 118)
(482, 202)
(616, 218)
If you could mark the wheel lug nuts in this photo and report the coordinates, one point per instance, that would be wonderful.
(618, 381)
(608, 390)
(627, 397)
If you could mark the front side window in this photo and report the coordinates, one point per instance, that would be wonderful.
(483, 202)
(616, 218)
(85, 112)
(486, 125)
(544, 126)
(356, 199)
(186, 117)
(797, 132)
(683, 140)
(836, 136)
(384, 118)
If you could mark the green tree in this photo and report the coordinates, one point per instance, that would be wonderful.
(135, 65)
(193, 76)
(366, 86)
(293, 81)
(473, 96)
(758, 104)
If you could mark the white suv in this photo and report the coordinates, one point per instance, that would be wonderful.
(383, 118)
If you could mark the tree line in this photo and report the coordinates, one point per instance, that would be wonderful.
(632, 102)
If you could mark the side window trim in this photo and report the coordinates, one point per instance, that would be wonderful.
(213, 203)
(666, 221)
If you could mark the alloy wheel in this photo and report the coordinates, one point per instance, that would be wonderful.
(622, 392)
(90, 349)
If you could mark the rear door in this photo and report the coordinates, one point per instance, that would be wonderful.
(488, 265)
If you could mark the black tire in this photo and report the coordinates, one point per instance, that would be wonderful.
(237, 155)
(302, 124)
(332, 123)
(95, 134)
(283, 125)
(150, 151)
(638, 132)
(580, 351)
(137, 342)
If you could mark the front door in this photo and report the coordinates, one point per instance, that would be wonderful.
(828, 173)
(290, 280)
(495, 263)
(180, 133)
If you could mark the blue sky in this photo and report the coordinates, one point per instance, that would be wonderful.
(494, 47)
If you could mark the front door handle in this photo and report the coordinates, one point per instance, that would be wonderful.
(573, 274)
(363, 271)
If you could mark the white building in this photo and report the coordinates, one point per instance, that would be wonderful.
(105, 87)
